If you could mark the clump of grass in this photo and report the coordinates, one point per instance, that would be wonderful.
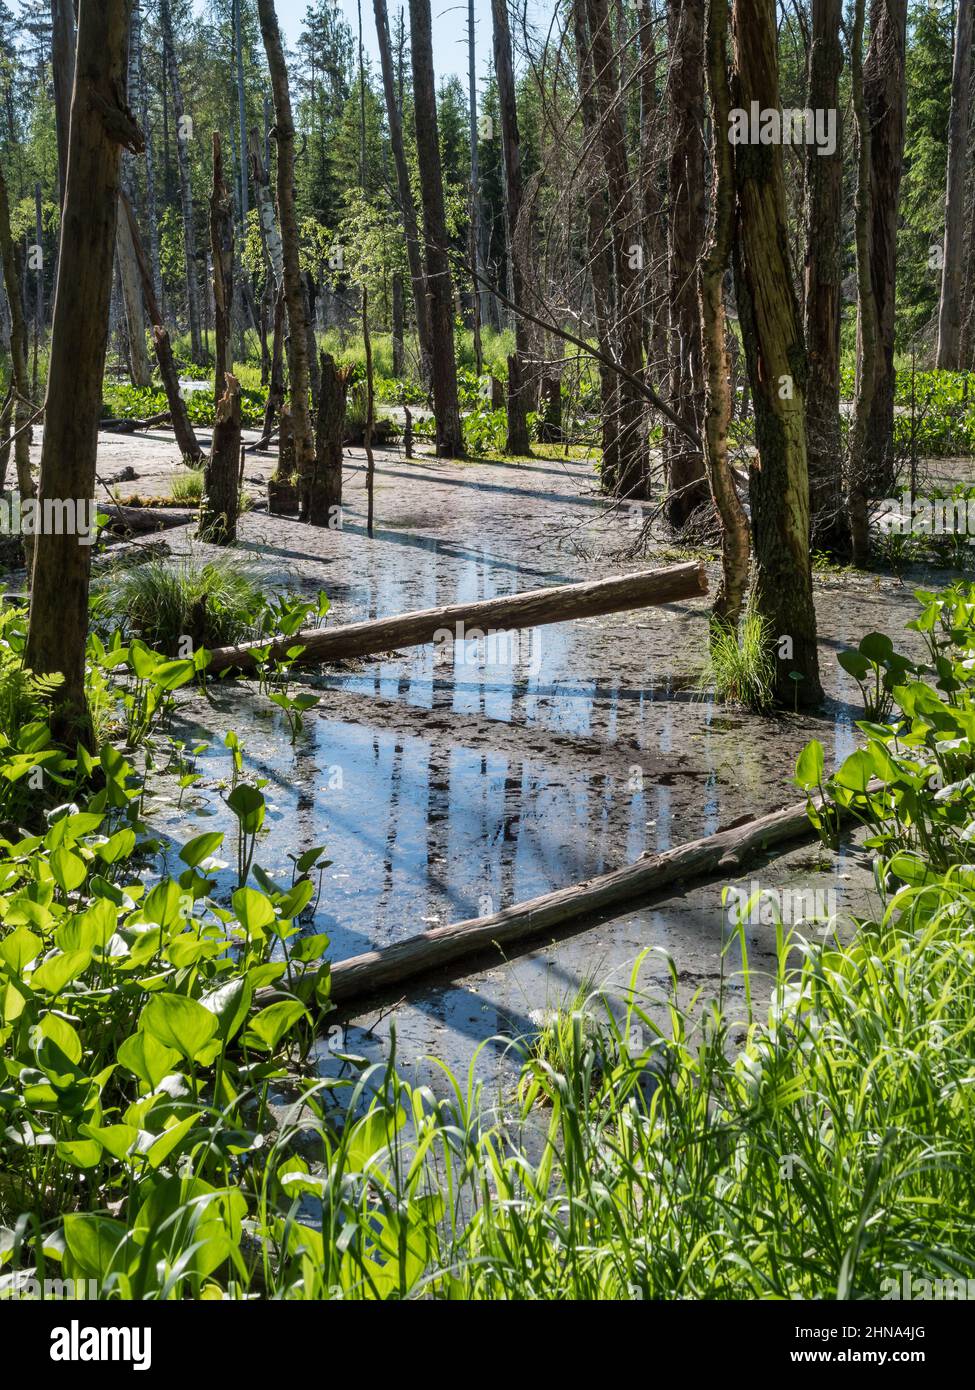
(187, 487)
(740, 668)
(210, 601)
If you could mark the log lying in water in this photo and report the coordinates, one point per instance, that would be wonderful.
(535, 607)
(727, 850)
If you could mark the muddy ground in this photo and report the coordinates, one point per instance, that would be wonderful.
(446, 788)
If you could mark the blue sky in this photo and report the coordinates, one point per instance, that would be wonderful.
(449, 29)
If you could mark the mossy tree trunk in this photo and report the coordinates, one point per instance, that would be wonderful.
(221, 477)
(822, 297)
(284, 135)
(735, 541)
(101, 125)
(687, 227)
(772, 334)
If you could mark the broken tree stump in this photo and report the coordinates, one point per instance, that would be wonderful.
(325, 502)
(220, 502)
(472, 621)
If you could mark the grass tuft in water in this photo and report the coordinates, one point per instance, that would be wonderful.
(740, 668)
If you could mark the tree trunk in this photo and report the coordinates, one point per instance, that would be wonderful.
(536, 607)
(140, 368)
(652, 213)
(406, 205)
(137, 72)
(284, 134)
(183, 430)
(185, 184)
(440, 296)
(633, 475)
(221, 477)
(275, 395)
(772, 334)
(222, 255)
(62, 68)
(950, 307)
(600, 257)
(823, 292)
(687, 225)
(717, 386)
(884, 94)
(868, 326)
(329, 434)
(518, 441)
(19, 379)
(100, 126)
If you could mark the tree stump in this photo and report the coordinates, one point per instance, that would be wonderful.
(550, 429)
(326, 491)
(221, 477)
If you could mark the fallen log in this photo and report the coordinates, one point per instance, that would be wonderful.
(727, 850)
(534, 608)
(123, 426)
(145, 518)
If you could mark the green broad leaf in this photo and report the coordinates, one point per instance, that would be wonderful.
(170, 1139)
(877, 647)
(80, 1153)
(201, 847)
(268, 1027)
(147, 1058)
(118, 1140)
(170, 675)
(68, 868)
(809, 765)
(247, 804)
(119, 846)
(855, 772)
(60, 1032)
(179, 1022)
(83, 931)
(59, 970)
(162, 906)
(254, 910)
(855, 664)
(20, 948)
(309, 948)
(297, 898)
(95, 1245)
(230, 1004)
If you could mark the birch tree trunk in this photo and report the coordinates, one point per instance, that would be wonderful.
(101, 125)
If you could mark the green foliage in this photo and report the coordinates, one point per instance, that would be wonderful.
(740, 665)
(211, 601)
(187, 487)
